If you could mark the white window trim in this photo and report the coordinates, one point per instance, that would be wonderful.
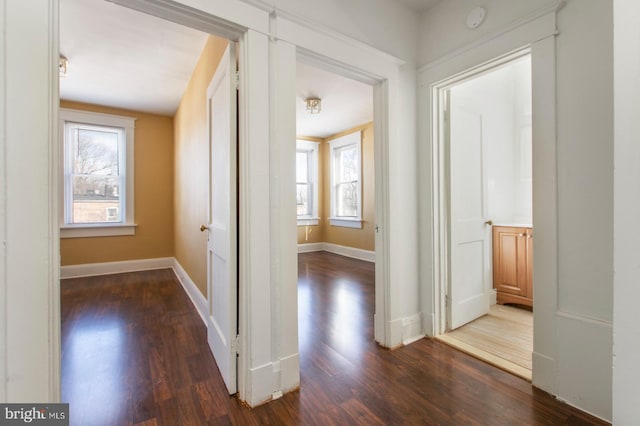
(127, 227)
(354, 138)
(313, 148)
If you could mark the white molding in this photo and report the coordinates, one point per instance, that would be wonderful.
(290, 372)
(427, 324)
(412, 330)
(194, 293)
(310, 247)
(554, 6)
(224, 18)
(345, 223)
(107, 230)
(105, 268)
(355, 253)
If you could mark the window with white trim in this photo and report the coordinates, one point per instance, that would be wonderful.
(346, 181)
(97, 169)
(307, 182)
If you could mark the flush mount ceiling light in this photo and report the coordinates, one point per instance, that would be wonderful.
(314, 105)
(63, 64)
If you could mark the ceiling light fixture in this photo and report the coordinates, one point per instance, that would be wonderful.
(314, 105)
(63, 64)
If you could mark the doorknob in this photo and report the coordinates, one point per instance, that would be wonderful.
(203, 228)
(489, 222)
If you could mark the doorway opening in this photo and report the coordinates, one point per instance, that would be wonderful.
(486, 302)
(173, 151)
(336, 217)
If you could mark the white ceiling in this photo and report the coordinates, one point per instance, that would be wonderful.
(122, 58)
(346, 103)
(419, 5)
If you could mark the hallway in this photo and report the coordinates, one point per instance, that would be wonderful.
(135, 353)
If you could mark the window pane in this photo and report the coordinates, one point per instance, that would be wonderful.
(348, 164)
(96, 152)
(347, 199)
(302, 167)
(96, 199)
(302, 199)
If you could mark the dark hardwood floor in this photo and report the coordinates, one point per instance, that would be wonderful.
(134, 352)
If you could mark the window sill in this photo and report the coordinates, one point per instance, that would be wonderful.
(346, 223)
(94, 230)
(309, 221)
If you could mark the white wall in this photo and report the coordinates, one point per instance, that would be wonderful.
(626, 341)
(575, 340)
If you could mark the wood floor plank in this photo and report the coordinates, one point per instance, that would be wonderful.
(134, 345)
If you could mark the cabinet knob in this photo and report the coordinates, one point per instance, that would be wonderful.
(489, 222)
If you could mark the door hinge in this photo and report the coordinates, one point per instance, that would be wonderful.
(235, 344)
(236, 79)
(447, 300)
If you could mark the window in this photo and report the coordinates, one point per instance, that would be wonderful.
(346, 181)
(97, 174)
(307, 182)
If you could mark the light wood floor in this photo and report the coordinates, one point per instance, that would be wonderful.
(503, 338)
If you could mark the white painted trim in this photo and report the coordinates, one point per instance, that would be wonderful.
(224, 18)
(290, 372)
(255, 243)
(554, 6)
(312, 221)
(105, 268)
(412, 329)
(107, 230)
(355, 253)
(194, 293)
(346, 223)
(334, 35)
(433, 216)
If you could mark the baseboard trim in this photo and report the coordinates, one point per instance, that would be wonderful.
(106, 268)
(309, 247)
(192, 290)
(412, 329)
(355, 253)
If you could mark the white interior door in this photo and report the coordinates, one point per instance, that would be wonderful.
(222, 275)
(469, 290)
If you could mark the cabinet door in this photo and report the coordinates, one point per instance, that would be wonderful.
(510, 260)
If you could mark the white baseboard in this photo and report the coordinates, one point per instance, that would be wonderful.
(309, 247)
(290, 372)
(105, 268)
(356, 253)
(412, 329)
(194, 293)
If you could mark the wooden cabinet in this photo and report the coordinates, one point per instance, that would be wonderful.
(512, 264)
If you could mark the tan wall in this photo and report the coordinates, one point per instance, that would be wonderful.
(358, 238)
(192, 166)
(153, 189)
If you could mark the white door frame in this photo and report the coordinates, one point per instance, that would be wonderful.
(380, 144)
(441, 171)
(536, 32)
